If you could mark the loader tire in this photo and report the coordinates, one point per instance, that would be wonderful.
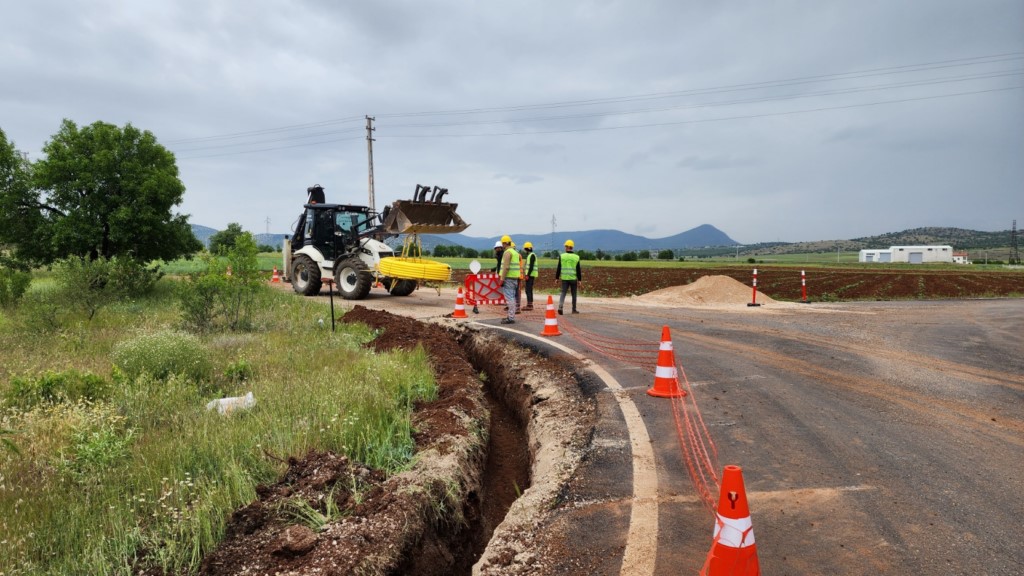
(353, 278)
(401, 287)
(306, 276)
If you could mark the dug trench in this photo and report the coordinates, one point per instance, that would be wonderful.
(507, 430)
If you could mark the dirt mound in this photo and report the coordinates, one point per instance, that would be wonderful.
(705, 291)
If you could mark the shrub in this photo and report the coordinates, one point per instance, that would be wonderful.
(238, 372)
(98, 442)
(89, 285)
(161, 354)
(224, 295)
(40, 313)
(68, 386)
(13, 284)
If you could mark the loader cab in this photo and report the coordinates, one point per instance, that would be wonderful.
(333, 229)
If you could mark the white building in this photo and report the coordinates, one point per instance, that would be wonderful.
(909, 254)
(961, 258)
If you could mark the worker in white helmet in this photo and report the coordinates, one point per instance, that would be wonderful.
(568, 271)
(498, 249)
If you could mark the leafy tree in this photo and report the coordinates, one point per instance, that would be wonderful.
(266, 248)
(101, 191)
(644, 255)
(19, 217)
(225, 239)
(586, 255)
(666, 255)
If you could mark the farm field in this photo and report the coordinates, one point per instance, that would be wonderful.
(783, 283)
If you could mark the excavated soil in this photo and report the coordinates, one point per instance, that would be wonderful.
(479, 451)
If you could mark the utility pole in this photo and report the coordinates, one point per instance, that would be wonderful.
(268, 225)
(1014, 250)
(369, 154)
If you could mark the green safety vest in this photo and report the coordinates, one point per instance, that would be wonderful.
(568, 261)
(514, 269)
(531, 257)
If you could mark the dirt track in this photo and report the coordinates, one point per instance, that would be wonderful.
(874, 437)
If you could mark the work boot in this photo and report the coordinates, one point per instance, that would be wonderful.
(575, 311)
(507, 321)
(528, 307)
(559, 311)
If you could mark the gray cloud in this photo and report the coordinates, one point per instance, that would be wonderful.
(770, 121)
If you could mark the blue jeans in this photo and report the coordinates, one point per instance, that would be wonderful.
(509, 290)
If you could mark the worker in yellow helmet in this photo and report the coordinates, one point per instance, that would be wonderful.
(509, 277)
(530, 273)
(568, 271)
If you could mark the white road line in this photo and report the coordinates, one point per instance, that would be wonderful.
(642, 536)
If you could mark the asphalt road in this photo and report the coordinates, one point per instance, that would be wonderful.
(875, 438)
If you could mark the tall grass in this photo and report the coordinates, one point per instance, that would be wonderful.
(146, 476)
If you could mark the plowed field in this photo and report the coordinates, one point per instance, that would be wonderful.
(829, 284)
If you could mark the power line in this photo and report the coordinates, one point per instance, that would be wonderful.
(277, 135)
(702, 120)
(734, 87)
(929, 82)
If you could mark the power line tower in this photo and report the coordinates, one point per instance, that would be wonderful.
(369, 154)
(553, 224)
(268, 225)
(1014, 249)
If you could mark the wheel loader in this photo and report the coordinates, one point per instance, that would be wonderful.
(345, 243)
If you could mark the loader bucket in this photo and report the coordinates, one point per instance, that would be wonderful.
(413, 217)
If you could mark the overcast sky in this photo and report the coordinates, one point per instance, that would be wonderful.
(772, 121)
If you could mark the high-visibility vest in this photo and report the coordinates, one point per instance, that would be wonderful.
(515, 270)
(568, 260)
(531, 257)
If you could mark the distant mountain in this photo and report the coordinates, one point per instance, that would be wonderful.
(592, 240)
(275, 240)
(705, 239)
(203, 233)
(958, 238)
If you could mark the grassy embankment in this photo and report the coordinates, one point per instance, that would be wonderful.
(105, 469)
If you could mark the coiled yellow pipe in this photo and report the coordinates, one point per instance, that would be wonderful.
(415, 269)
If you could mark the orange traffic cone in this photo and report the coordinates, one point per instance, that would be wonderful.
(733, 551)
(666, 381)
(276, 277)
(460, 306)
(550, 320)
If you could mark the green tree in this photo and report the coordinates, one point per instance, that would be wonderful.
(225, 239)
(665, 255)
(104, 191)
(20, 217)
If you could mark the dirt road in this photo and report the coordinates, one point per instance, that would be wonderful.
(874, 437)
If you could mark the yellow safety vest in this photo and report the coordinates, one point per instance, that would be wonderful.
(514, 268)
(569, 261)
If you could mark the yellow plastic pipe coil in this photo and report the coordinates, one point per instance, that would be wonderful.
(415, 269)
